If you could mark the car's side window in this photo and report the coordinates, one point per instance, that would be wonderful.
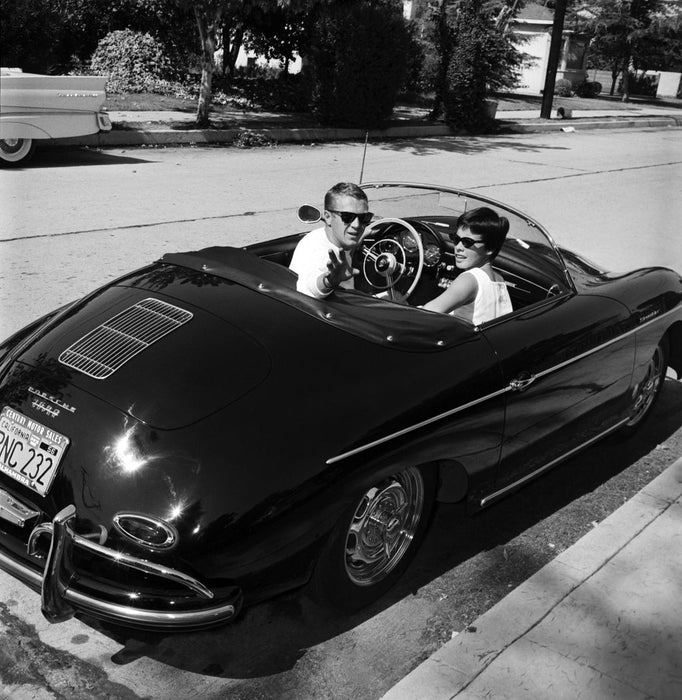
(530, 265)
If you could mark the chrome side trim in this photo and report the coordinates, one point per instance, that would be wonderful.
(123, 613)
(618, 338)
(497, 494)
(416, 426)
(507, 389)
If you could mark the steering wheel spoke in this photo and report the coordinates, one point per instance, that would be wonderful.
(386, 263)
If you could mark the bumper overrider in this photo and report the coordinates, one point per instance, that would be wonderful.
(59, 582)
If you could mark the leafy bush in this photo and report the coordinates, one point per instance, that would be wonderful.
(640, 84)
(563, 87)
(357, 62)
(247, 138)
(284, 93)
(134, 62)
(482, 60)
(588, 89)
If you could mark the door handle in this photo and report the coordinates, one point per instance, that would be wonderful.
(522, 382)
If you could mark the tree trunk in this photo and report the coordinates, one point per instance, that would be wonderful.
(626, 80)
(444, 48)
(208, 20)
(614, 76)
(234, 45)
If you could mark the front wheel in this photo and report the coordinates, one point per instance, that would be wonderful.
(14, 152)
(646, 392)
(375, 540)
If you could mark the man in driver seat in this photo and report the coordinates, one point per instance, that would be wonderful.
(323, 257)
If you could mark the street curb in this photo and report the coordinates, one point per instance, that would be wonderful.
(580, 124)
(154, 136)
(454, 666)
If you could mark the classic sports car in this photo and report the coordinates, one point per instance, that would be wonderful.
(37, 107)
(198, 434)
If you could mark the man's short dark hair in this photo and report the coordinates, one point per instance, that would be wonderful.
(340, 189)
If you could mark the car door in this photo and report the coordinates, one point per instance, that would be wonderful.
(566, 362)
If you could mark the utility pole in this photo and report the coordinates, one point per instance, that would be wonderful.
(553, 60)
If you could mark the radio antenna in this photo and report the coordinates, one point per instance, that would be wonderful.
(364, 153)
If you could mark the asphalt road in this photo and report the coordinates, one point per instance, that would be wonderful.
(79, 218)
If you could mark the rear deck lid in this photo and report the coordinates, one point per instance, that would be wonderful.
(161, 360)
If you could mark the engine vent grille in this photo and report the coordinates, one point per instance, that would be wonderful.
(109, 346)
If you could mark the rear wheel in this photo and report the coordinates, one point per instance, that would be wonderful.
(646, 392)
(14, 152)
(375, 540)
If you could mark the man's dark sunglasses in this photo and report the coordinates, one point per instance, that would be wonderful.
(348, 217)
(464, 240)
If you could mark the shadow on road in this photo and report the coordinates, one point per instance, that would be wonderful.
(466, 145)
(62, 157)
(271, 637)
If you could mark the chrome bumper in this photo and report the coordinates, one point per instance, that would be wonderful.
(59, 601)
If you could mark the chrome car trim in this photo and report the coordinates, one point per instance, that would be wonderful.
(14, 511)
(416, 426)
(57, 568)
(497, 494)
(587, 353)
(169, 531)
(54, 584)
(512, 386)
(144, 565)
(106, 348)
(124, 613)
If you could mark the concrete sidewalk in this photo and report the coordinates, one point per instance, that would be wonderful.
(132, 128)
(602, 620)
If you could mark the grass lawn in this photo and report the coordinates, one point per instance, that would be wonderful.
(506, 102)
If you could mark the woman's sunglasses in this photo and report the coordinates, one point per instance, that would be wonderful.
(348, 217)
(464, 240)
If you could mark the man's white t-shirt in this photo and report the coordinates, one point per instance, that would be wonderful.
(310, 261)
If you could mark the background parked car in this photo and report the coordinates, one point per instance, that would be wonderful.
(39, 107)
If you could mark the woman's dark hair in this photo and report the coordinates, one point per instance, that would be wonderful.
(488, 224)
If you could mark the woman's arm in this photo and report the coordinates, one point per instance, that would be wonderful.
(461, 291)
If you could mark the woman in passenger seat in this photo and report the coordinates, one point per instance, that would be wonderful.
(478, 294)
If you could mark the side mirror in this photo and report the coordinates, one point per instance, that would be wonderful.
(309, 214)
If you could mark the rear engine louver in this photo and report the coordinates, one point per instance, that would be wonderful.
(109, 346)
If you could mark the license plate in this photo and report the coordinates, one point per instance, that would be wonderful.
(29, 451)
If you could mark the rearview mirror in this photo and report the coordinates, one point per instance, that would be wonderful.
(309, 214)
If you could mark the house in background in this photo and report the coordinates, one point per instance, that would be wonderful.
(533, 28)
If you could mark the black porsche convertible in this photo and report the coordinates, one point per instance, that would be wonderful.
(170, 449)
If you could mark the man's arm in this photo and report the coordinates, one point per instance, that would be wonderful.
(319, 275)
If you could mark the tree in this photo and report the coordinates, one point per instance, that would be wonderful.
(484, 49)
(25, 34)
(629, 34)
(48, 37)
(482, 59)
(358, 60)
(279, 33)
(211, 16)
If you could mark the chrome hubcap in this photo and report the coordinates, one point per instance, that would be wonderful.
(383, 527)
(645, 392)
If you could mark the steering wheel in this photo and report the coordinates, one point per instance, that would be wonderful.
(386, 262)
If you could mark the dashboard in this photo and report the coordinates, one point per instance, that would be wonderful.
(439, 268)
